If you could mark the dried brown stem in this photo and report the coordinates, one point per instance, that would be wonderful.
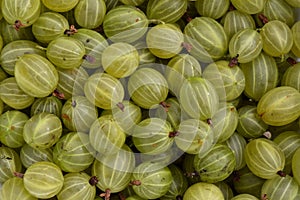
(234, 61)
(89, 58)
(263, 18)
(106, 195)
(135, 182)
(173, 134)
(187, 46)
(264, 197)
(291, 61)
(71, 31)
(121, 106)
(191, 174)
(93, 181)
(18, 24)
(58, 94)
(18, 174)
(281, 173)
(165, 105)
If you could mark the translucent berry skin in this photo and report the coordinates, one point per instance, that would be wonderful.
(43, 179)
(279, 106)
(264, 158)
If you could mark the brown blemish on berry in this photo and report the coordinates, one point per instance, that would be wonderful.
(66, 117)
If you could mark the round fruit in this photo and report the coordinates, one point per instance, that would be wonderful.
(21, 13)
(153, 136)
(12, 95)
(78, 114)
(246, 182)
(296, 166)
(3, 74)
(279, 10)
(245, 45)
(9, 163)
(235, 21)
(224, 121)
(42, 130)
(179, 68)
(13, 189)
(250, 124)
(71, 82)
(36, 75)
(106, 136)
(90, 13)
(264, 158)
(203, 191)
(43, 179)
(114, 171)
(120, 59)
(237, 144)
(291, 77)
(279, 106)
(49, 26)
(289, 142)
(127, 116)
(296, 38)
(132, 2)
(47, 104)
(9, 33)
(166, 11)
(71, 154)
(216, 165)
(94, 44)
(151, 180)
(244, 197)
(294, 3)
(30, 155)
(125, 24)
(261, 75)
(60, 5)
(225, 189)
(66, 52)
(178, 186)
(214, 9)
(12, 51)
(11, 128)
(279, 188)
(147, 88)
(199, 98)
(277, 38)
(172, 113)
(194, 136)
(207, 38)
(77, 186)
(103, 90)
(165, 40)
(249, 6)
(229, 82)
